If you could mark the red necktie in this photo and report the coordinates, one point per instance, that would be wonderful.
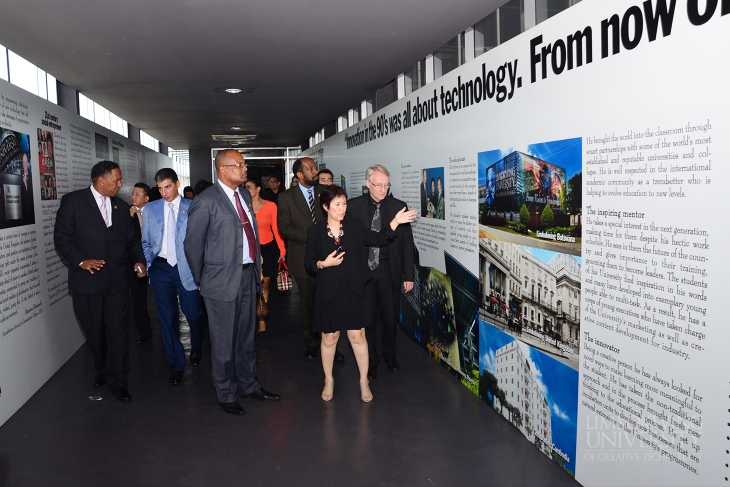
(246, 228)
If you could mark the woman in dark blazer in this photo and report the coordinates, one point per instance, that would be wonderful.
(339, 302)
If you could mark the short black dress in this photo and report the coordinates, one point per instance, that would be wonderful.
(339, 298)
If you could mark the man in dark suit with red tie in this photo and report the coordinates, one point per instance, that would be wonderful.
(223, 251)
(94, 234)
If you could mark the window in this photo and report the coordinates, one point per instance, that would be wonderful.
(148, 141)
(26, 75)
(486, 34)
(449, 56)
(415, 77)
(511, 20)
(544, 9)
(3, 63)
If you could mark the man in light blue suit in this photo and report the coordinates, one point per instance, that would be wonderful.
(163, 233)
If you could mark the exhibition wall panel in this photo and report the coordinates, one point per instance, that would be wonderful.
(45, 152)
(588, 314)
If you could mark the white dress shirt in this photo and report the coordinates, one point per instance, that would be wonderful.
(99, 199)
(231, 197)
(176, 210)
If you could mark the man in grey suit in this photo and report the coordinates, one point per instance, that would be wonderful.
(299, 209)
(222, 248)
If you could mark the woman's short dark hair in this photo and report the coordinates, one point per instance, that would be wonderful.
(187, 189)
(255, 182)
(329, 193)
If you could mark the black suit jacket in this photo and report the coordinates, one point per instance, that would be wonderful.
(80, 233)
(355, 239)
(137, 231)
(294, 220)
(401, 251)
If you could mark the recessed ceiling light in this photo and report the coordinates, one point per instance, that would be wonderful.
(234, 91)
(235, 127)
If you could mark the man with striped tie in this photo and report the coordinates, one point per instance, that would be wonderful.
(299, 209)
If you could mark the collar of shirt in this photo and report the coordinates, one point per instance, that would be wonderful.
(175, 204)
(96, 194)
(305, 192)
(98, 197)
(229, 192)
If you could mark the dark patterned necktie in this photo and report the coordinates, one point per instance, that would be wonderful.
(247, 228)
(374, 255)
(311, 205)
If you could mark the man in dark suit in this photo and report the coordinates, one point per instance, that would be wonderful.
(223, 251)
(299, 209)
(163, 233)
(138, 287)
(391, 266)
(94, 234)
(424, 195)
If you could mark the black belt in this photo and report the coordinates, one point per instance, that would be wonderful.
(162, 259)
(246, 266)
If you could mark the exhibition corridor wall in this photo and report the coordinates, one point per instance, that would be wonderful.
(585, 311)
(45, 152)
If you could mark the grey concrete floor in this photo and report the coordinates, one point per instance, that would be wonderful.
(423, 427)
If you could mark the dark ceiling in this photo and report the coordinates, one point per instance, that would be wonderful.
(157, 64)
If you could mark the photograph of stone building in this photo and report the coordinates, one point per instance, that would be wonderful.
(532, 294)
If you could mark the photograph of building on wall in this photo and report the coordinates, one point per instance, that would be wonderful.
(531, 390)
(533, 195)
(441, 315)
(533, 295)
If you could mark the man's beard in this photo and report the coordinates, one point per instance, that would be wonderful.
(311, 182)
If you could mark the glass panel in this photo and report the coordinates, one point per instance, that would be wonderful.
(3, 63)
(42, 88)
(486, 34)
(86, 107)
(415, 76)
(510, 20)
(22, 73)
(544, 9)
(449, 56)
(52, 89)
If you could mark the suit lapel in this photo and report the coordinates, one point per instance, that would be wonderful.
(181, 214)
(93, 207)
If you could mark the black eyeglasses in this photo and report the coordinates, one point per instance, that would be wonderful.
(380, 186)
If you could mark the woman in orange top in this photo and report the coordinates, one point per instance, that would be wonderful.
(272, 245)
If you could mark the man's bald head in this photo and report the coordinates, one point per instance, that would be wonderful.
(224, 157)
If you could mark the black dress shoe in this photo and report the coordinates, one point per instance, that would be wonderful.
(123, 394)
(339, 357)
(195, 358)
(372, 372)
(392, 363)
(263, 395)
(176, 378)
(99, 380)
(261, 333)
(310, 353)
(144, 337)
(232, 408)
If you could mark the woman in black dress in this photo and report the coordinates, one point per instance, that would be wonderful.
(339, 302)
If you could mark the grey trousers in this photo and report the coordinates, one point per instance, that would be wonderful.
(232, 325)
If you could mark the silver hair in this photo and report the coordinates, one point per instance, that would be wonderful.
(377, 167)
